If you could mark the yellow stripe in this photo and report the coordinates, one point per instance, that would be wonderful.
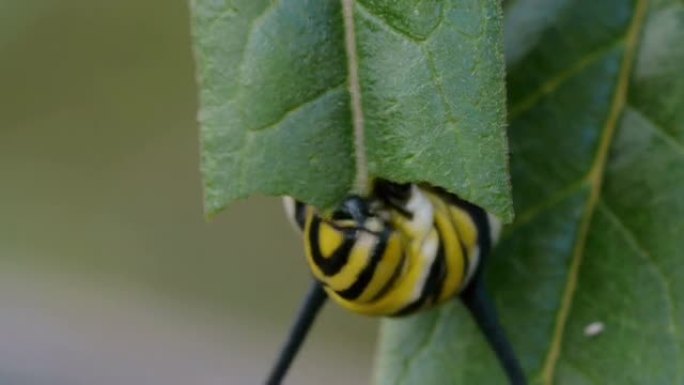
(385, 269)
(358, 259)
(408, 285)
(466, 227)
(452, 248)
(469, 236)
(329, 239)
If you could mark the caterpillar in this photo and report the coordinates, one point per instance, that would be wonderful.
(401, 249)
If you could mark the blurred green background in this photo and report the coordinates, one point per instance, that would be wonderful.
(109, 273)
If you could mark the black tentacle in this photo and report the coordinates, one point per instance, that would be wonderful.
(308, 311)
(482, 309)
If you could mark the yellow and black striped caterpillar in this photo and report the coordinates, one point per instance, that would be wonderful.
(402, 249)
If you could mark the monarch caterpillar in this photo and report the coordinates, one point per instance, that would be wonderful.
(402, 249)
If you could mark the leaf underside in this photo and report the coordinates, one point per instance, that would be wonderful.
(596, 129)
(275, 101)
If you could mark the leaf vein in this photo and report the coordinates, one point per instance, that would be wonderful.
(439, 86)
(298, 107)
(377, 20)
(255, 23)
(531, 213)
(248, 136)
(634, 243)
(659, 130)
(551, 85)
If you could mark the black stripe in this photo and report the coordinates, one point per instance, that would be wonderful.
(300, 214)
(479, 217)
(401, 210)
(459, 237)
(363, 279)
(334, 263)
(466, 260)
(432, 285)
(441, 253)
(395, 275)
(394, 195)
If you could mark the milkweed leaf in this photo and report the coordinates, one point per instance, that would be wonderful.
(289, 107)
(596, 127)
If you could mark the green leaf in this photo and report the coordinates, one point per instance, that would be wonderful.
(311, 98)
(596, 90)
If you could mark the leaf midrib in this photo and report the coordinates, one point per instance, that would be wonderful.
(354, 86)
(594, 179)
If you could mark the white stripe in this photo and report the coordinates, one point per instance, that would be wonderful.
(421, 225)
(421, 209)
(494, 228)
(494, 233)
(474, 261)
(428, 253)
(289, 204)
